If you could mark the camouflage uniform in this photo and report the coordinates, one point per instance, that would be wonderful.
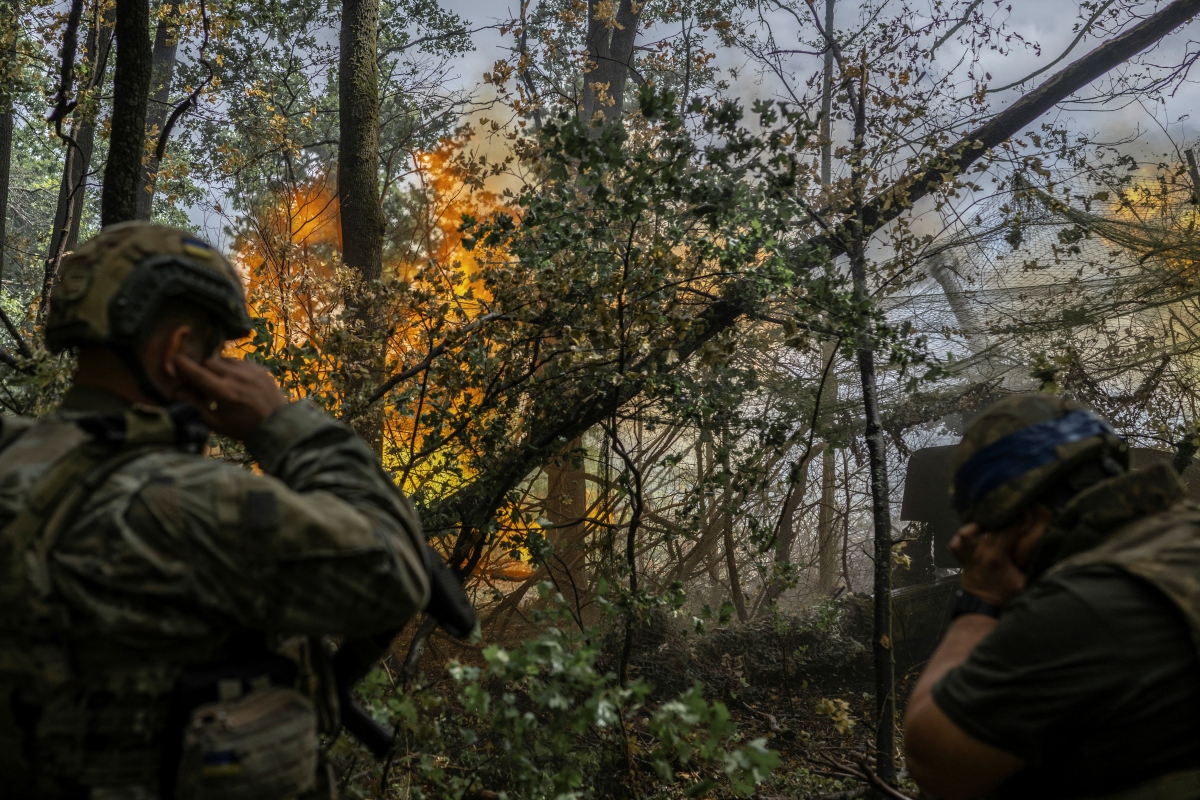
(172, 560)
(128, 560)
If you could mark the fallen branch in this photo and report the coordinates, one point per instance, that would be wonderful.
(863, 773)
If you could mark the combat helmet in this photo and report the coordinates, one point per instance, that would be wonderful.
(109, 290)
(1012, 453)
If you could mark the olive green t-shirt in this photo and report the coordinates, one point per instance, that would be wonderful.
(1090, 677)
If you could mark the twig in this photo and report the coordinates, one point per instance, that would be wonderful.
(421, 366)
(1078, 38)
(22, 346)
(966, 17)
(878, 782)
(13, 363)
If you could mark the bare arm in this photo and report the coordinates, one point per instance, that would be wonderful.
(942, 757)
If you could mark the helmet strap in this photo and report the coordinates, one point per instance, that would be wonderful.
(149, 387)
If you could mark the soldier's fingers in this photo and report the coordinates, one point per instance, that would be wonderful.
(199, 376)
(964, 539)
(222, 366)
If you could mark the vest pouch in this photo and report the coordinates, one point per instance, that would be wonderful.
(262, 744)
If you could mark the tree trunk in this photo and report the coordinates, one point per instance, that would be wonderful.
(166, 41)
(8, 82)
(77, 160)
(829, 540)
(610, 41)
(131, 90)
(881, 513)
(726, 521)
(358, 153)
(6, 130)
(731, 567)
(785, 539)
(827, 103)
(566, 507)
(358, 194)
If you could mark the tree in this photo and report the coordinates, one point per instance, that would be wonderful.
(166, 44)
(80, 145)
(131, 91)
(8, 79)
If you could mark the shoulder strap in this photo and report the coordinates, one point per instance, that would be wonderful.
(54, 500)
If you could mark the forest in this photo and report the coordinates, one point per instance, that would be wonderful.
(649, 317)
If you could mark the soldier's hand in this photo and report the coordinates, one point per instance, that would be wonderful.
(989, 568)
(233, 396)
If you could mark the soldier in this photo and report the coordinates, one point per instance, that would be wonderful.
(160, 612)
(1071, 668)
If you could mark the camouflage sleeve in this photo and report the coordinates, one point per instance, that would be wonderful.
(334, 546)
(175, 546)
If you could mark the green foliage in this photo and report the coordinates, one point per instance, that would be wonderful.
(542, 721)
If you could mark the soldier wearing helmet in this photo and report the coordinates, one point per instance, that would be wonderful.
(1071, 669)
(161, 613)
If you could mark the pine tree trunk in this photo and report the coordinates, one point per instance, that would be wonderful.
(166, 43)
(131, 91)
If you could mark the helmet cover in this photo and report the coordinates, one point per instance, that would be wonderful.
(1015, 450)
(109, 290)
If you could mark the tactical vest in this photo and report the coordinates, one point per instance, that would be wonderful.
(47, 470)
(1164, 550)
(78, 712)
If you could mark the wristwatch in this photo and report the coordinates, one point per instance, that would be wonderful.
(967, 603)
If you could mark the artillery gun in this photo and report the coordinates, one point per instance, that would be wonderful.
(921, 612)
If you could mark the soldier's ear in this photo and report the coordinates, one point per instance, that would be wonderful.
(180, 340)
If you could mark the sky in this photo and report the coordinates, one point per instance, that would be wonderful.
(1050, 23)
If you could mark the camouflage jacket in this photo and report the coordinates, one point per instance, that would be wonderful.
(169, 561)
